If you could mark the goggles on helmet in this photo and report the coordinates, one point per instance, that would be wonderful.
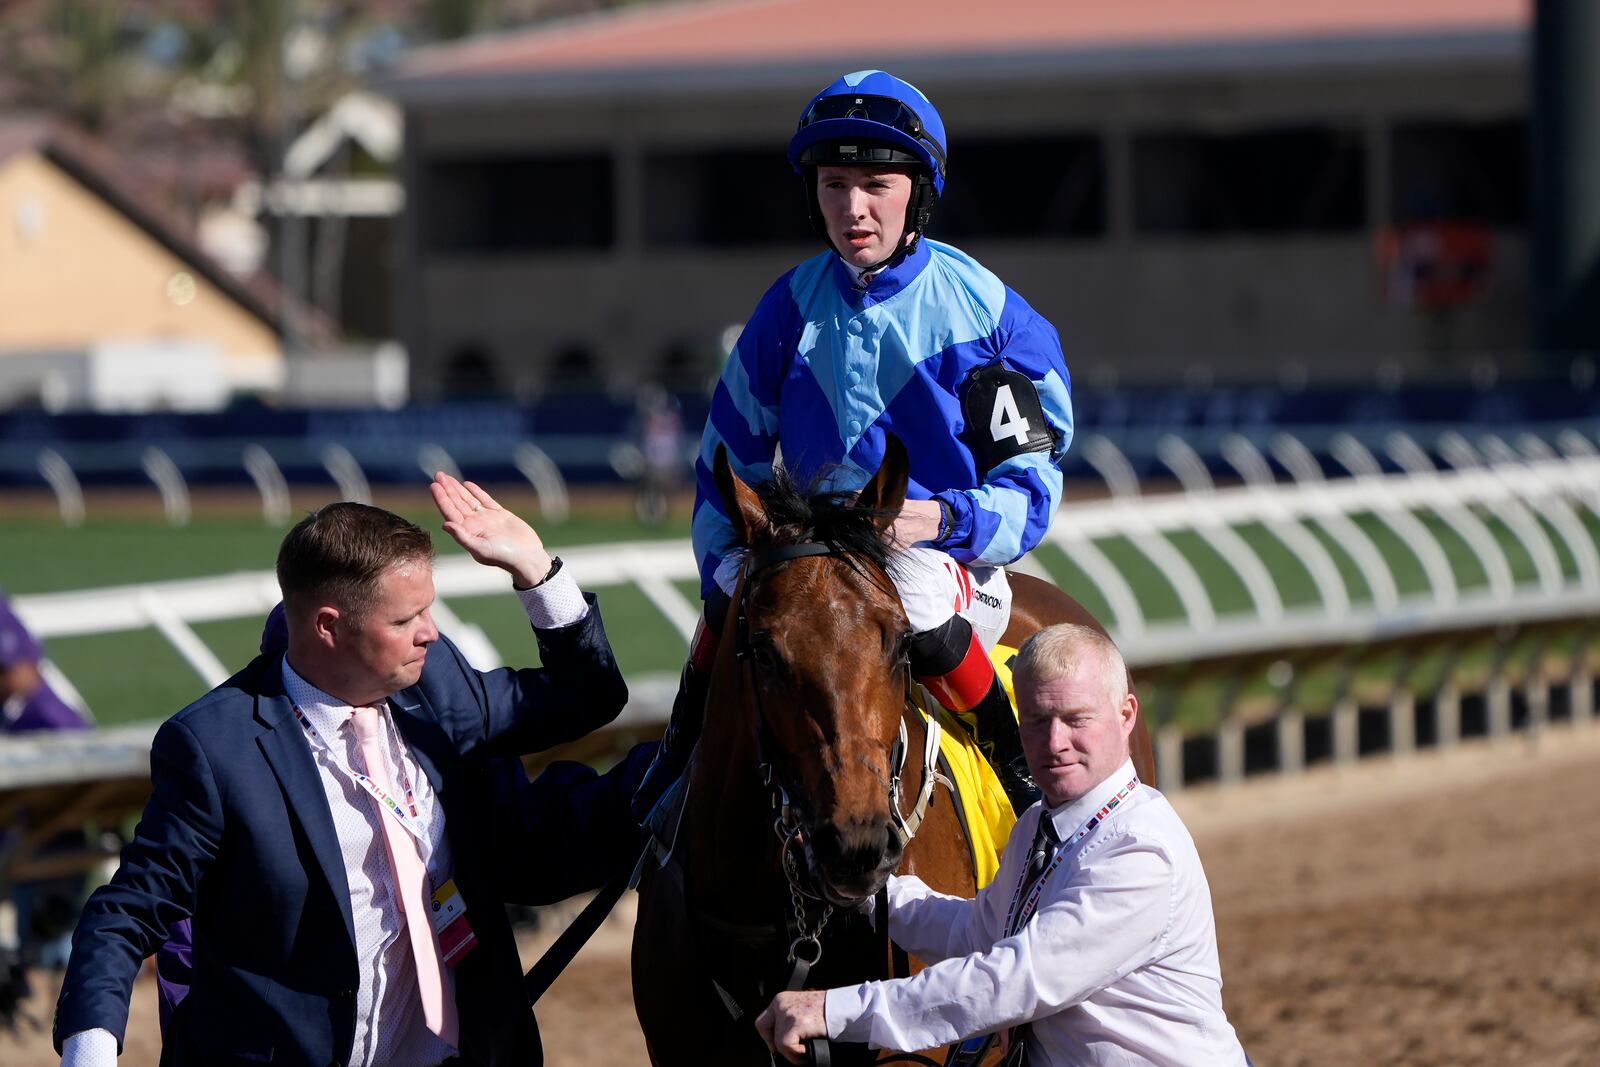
(884, 110)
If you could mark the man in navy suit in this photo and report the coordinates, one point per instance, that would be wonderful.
(326, 818)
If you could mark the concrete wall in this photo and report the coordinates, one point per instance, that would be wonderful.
(74, 272)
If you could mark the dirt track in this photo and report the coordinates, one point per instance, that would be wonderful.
(1437, 913)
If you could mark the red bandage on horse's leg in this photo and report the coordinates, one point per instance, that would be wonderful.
(962, 687)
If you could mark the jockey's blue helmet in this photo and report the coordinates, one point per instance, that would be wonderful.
(872, 117)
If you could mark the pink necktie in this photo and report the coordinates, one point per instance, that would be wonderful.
(411, 882)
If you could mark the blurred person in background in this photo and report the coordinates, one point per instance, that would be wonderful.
(27, 700)
(327, 818)
(658, 425)
(46, 909)
(889, 331)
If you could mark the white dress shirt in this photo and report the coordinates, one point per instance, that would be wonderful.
(390, 1030)
(389, 1024)
(1118, 967)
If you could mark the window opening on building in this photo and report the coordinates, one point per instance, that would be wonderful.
(575, 367)
(723, 198)
(1024, 188)
(508, 204)
(470, 372)
(1471, 171)
(1278, 181)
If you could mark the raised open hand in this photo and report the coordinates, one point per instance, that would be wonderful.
(490, 534)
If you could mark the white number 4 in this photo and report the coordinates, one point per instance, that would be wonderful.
(1007, 421)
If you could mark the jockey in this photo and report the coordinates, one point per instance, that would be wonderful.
(886, 331)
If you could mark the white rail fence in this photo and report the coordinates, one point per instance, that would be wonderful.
(1520, 492)
(1541, 494)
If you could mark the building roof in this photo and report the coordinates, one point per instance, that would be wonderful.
(763, 34)
(107, 175)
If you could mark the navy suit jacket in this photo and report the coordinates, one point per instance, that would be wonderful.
(237, 832)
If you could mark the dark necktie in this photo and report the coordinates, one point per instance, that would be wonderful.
(1043, 851)
(1039, 857)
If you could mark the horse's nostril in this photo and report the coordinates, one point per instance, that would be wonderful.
(827, 842)
(857, 853)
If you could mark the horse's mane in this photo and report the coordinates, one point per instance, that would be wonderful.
(798, 513)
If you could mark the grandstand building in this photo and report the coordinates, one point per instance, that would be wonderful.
(1238, 190)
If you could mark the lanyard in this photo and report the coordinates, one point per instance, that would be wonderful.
(385, 801)
(1022, 910)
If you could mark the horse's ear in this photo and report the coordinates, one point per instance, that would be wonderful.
(886, 492)
(739, 502)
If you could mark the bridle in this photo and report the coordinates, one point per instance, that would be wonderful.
(805, 948)
(790, 825)
(788, 821)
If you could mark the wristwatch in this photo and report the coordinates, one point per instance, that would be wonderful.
(947, 520)
(555, 565)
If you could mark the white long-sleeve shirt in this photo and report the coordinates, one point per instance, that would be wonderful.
(390, 1031)
(1118, 966)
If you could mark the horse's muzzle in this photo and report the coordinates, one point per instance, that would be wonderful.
(855, 858)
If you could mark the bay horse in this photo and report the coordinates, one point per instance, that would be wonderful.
(797, 794)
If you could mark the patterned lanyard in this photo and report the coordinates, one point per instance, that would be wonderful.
(1022, 910)
(377, 792)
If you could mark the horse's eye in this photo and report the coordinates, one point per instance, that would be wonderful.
(763, 651)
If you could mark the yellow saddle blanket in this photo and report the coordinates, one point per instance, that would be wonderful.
(983, 802)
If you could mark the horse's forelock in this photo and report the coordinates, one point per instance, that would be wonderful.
(798, 514)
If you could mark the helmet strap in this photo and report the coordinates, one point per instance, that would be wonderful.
(920, 209)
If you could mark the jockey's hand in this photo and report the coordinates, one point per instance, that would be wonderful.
(491, 535)
(790, 1019)
(918, 521)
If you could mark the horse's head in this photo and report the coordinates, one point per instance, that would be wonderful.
(822, 641)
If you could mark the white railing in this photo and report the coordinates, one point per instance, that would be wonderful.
(1538, 494)
(1519, 491)
(1531, 490)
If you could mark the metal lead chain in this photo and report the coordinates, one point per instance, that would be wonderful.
(814, 936)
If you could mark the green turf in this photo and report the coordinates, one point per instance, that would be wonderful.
(1518, 558)
(1464, 562)
(137, 675)
(1222, 583)
(233, 641)
(1409, 577)
(42, 556)
(1563, 551)
(38, 556)
(1157, 598)
(1355, 583)
(1294, 580)
(1069, 576)
(642, 637)
(129, 676)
